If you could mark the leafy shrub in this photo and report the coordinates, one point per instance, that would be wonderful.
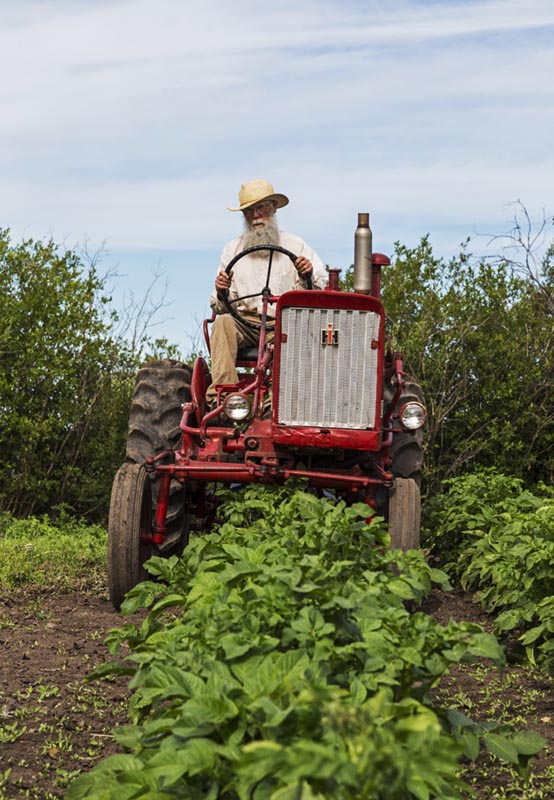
(279, 660)
(67, 370)
(500, 541)
(466, 327)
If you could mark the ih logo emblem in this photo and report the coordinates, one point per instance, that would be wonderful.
(329, 335)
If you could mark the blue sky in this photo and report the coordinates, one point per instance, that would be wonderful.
(130, 125)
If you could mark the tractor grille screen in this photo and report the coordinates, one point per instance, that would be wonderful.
(328, 368)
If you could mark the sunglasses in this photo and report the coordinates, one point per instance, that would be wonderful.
(263, 206)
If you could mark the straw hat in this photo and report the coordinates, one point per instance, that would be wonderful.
(255, 191)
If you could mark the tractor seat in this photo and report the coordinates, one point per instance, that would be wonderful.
(247, 354)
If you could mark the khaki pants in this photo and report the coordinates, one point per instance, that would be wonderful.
(227, 336)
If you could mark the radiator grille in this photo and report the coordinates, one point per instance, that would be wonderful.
(326, 384)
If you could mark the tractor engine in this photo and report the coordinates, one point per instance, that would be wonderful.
(328, 366)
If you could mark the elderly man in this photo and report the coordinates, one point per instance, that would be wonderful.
(258, 202)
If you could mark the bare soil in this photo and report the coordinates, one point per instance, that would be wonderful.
(53, 725)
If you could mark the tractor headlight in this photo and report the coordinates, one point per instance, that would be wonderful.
(237, 407)
(413, 416)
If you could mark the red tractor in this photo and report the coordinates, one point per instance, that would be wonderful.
(326, 401)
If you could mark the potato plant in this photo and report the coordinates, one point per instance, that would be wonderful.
(279, 660)
(500, 538)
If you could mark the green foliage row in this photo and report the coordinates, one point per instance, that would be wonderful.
(40, 552)
(279, 661)
(499, 538)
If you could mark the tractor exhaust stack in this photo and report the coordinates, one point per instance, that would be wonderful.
(362, 255)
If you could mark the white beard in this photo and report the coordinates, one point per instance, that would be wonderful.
(257, 235)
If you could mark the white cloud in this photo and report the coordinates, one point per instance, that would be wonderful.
(135, 122)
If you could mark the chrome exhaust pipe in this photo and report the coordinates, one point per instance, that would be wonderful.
(362, 255)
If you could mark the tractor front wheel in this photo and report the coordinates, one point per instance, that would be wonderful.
(129, 530)
(404, 514)
(407, 446)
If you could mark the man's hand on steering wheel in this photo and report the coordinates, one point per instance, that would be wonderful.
(223, 281)
(304, 266)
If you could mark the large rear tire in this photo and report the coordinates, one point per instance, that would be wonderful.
(404, 514)
(130, 523)
(161, 389)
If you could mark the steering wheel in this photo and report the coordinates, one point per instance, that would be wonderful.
(230, 304)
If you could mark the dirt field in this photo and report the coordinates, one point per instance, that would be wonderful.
(52, 725)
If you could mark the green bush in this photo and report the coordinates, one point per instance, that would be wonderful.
(478, 336)
(67, 372)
